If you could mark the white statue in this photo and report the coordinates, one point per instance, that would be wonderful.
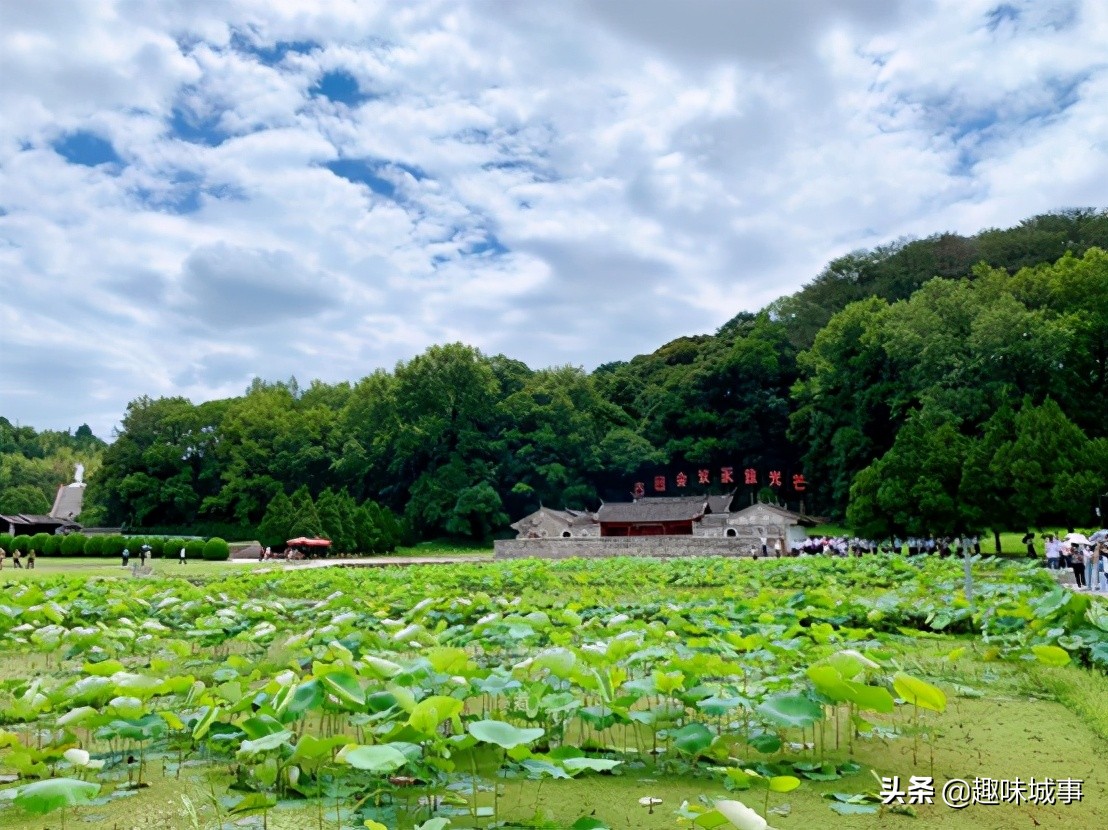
(79, 474)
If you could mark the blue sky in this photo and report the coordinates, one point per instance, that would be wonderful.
(193, 194)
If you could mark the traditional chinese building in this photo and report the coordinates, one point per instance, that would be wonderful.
(759, 521)
(545, 523)
(654, 526)
(659, 516)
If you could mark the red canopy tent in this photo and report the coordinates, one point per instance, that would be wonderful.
(304, 541)
(308, 547)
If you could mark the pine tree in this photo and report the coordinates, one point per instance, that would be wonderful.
(368, 537)
(348, 509)
(305, 518)
(330, 519)
(277, 523)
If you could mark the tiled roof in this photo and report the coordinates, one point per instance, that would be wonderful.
(796, 518)
(573, 518)
(721, 504)
(660, 509)
(32, 519)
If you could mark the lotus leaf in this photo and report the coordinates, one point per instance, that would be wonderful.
(503, 734)
(378, 758)
(919, 692)
(791, 710)
(44, 797)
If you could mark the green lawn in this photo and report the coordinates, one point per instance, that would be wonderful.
(170, 567)
(85, 566)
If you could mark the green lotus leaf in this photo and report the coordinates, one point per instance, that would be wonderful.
(1051, 655)
(919, 692)
(44, 797)
(793, 710)
(503, 734)
(573, 765)
(345, 687)
(265, 743)
(378, 758)
(692, 739)
(431, 711)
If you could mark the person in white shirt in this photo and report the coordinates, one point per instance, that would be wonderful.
(1053, 552)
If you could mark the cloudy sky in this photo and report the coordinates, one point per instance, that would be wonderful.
(197, 192)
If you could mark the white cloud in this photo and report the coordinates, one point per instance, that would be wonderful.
(562, 182)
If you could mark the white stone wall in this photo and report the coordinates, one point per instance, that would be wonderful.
(595, 548)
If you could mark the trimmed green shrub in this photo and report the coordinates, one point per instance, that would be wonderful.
(157, 547)
(171, 548)
(21, 544)
(216, 550)
(114, 545)
(38, 542)
(94, 546)
(6, 541)
(194, 549)
(74, 544)
(53, 546)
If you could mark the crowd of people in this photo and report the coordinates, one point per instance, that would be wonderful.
(1086, 556)
(912, 545)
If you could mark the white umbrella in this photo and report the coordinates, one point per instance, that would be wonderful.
(1076, 539)
(1100, 536)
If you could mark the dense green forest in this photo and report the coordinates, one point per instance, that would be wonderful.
(938, 384)
(33, 464)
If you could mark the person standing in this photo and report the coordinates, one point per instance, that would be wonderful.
(1103, 574)
(3, 556)
(1053, 552)
(765, 546)
(1029, 540)
(1092, 560)
(126, 555)
(182, 555)
(16, 553)
(1077, 564)
(30, 559)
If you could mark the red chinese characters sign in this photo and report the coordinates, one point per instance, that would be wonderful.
(751, 477)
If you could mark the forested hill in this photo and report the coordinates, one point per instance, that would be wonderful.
(929, 384)
(33, 464)
(896, 271)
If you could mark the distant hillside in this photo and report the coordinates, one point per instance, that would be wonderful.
(33, 464)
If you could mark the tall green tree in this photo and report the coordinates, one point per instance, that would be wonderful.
(305, 517)
(277, 524)
(915, 486)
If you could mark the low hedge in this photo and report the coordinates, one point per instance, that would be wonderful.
(216, 550)
(74, 544)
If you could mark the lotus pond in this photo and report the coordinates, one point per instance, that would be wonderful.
(587, 694)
